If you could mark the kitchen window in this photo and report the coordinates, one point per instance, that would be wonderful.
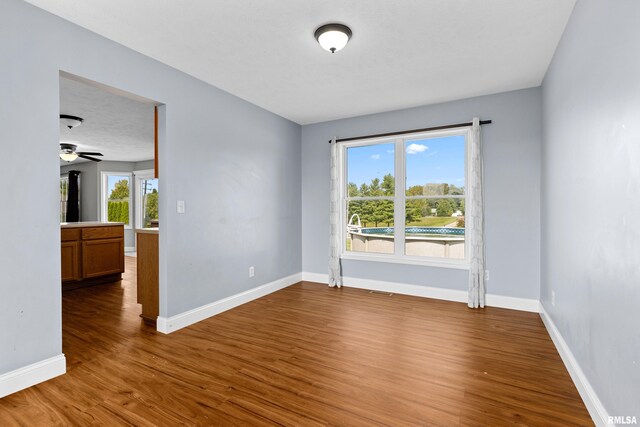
(116, 198)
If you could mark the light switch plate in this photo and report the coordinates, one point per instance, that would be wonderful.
(180, 206)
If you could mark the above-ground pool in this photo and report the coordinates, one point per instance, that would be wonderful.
(436, 231)
(438, 242)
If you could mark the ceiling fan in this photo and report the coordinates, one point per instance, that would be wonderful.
(68, 153)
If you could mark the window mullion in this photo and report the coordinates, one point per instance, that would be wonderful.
(399, 212)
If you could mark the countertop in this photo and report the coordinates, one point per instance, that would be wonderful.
(89, 224)
(147, 230)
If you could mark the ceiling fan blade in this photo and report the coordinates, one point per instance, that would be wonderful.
(88, 153)
(88, 157)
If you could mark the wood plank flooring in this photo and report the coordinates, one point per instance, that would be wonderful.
(304, 356)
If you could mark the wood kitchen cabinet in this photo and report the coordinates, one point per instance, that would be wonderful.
(147, 269)
(91, 253)
(70, 261)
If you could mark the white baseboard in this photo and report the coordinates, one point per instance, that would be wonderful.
(167, 325)
(595, 407)
(33, 374)
(404, 289)
(315, 277)
(513, 303)
(129, 248)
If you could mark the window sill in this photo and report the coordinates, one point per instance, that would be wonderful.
(392, 259)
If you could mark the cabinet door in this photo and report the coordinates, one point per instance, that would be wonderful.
(147, 275)
(102, 257)
(70, 261)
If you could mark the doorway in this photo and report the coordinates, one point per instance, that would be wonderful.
(109, 177)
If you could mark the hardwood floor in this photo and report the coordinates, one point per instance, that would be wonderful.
(304, 356)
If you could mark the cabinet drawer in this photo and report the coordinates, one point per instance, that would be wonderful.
(102, 257)
(69, 234)
(102, 232)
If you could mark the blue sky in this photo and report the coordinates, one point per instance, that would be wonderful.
(433, 160)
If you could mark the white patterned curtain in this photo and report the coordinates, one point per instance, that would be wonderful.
(335, 276)
(475, 228)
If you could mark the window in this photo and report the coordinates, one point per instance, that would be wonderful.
(146, 199)
(116, 197)
(64, 196)
(417, 219)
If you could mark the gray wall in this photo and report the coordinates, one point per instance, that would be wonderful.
(590, 204)
(235, 165)
(143, 165)
(89, 187)
(512, 177)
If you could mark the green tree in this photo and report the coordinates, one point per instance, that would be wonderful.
(151, 207)
(386, 211)
(352, 190)
(118, 211)
(415, 190)
(118, 205)
(444, 208)
(367, 212)
(388, 185)
(120, 190)
(417, 208)
(413, 211)
(374, 187)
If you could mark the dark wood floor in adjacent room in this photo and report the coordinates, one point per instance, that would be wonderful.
(304, 356)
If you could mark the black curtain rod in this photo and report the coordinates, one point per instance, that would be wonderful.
(402, 132)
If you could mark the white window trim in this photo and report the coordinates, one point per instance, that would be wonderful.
(64, 176)
(103, 196)
(398, 257)
(138, 176)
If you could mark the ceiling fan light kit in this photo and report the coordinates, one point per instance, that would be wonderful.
(68, 151)
(68, 157)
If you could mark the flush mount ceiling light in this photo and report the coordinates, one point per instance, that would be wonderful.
(333, 37)
(70, 121)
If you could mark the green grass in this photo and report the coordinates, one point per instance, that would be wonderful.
(426, 221)
(434, 221)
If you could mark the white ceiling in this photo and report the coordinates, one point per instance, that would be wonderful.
(116, 126)
(403, 53)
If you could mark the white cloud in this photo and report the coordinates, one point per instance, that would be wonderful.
(375, 156)
(390, 151)
(416, 148)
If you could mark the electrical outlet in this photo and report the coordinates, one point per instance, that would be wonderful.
(553, 298)
(180, 206)
(486, 275)
(252, 271)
